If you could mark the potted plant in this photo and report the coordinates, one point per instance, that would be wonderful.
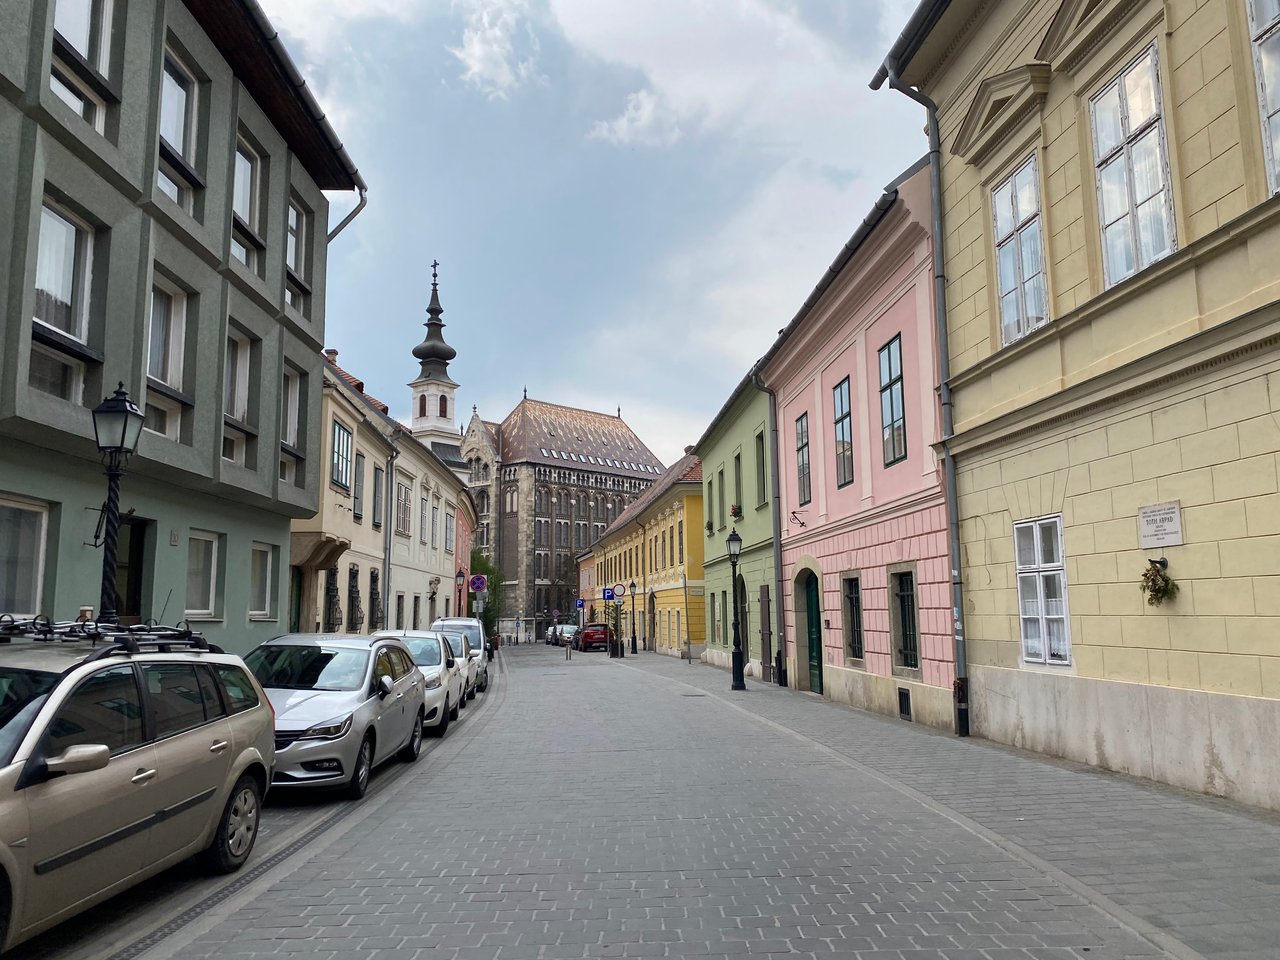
(735, 511)
(711, 528)
(1156, 582)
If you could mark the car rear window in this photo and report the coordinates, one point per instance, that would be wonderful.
(239, 690)
(425, 650)
(308, 667)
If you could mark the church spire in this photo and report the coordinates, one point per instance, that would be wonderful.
(433, 353)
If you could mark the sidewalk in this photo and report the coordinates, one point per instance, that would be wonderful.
(1197, 875)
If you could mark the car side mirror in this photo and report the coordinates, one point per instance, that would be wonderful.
(384, 686)
(450, 663)
(81, 758)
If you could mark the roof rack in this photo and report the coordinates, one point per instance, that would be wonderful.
(114, 637)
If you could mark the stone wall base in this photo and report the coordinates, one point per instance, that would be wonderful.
(1211, 743)
(930, 706)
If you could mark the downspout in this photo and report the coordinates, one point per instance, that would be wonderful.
(961, 690)
(387, 521)
(364, 201)
(779, 611)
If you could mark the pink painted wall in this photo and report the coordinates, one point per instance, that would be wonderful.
(888, 514)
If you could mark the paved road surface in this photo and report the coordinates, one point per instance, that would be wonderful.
(637, 808)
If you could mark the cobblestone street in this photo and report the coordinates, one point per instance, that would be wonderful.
(598, 808)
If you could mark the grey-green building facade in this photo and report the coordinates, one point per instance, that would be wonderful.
(162, 224)
(737, 456)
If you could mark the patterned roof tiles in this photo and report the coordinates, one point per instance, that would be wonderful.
(688, 469)
(547, 433)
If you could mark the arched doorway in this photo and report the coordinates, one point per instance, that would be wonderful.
(808, 618)
(744, 619)
(651, 635)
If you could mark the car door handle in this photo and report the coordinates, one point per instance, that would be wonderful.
(399, 696)
(219, 746)
(142, 776)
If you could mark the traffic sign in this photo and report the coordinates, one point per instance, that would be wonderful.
(581, 603)
(608, 593)
(479, 583)
(619, 591)
(617, 602)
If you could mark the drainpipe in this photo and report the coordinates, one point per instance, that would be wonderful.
(780, 614)
(944, 390)
(364, 201)
(388, 520)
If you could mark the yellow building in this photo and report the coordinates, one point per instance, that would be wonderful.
(1112, 264)
(654, 550)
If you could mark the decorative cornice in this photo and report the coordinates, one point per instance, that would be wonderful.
(999, 107)
(1078, 28)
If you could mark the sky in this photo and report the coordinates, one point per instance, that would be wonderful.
(628, 198)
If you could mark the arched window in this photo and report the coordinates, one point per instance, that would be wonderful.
(444, 405)
(422, 405)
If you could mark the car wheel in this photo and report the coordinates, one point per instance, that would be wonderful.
(453, 712)
(237, 830)
(485, 687)
(439, 729)
(359, 781)
(409, 752)
(462, 700)
(472, 694)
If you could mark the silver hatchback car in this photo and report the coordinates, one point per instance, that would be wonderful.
(344, 704)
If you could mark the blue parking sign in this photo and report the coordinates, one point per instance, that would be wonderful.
(608, 593)
(581, 603)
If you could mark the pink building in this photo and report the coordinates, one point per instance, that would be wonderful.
(866, 588)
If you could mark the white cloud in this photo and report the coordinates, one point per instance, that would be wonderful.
(645, 122)
(499, 48)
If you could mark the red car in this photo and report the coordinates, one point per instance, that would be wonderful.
(594, 636)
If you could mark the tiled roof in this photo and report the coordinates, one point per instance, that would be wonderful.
(450, 453)
(550, 434)
(688, 469)
(357, 385)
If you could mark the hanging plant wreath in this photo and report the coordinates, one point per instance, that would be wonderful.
(1157, 584)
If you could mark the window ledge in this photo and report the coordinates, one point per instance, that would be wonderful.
(296, 281)
(202, 618)
(239, 426)
(246, 232)
(169, 392)
(170, 155)
(262, 618)
(84, 71)
(52, 337)
(907, 673)
(291, 450)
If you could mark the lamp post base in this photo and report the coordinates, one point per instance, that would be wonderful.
(739, 681)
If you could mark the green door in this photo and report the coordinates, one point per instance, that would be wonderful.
(814, 611)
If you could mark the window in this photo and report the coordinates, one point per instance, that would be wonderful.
(81, 47)
(417, 611)
(245, 242)
(802, 459)
(422, 405)
(1264, 16)
(174, 698)
(1042, 591)
(423, 521)
(680, 540)
(893, 418)
(53, 373)
(399, 611)
(290, 415)
(235, 440)
(165, 337)
(721, 491)
(357, 493)
(378, 474)
(435, 525)
(22, 544)
(63, 271)
(444, 406)
(105, 708)
(762, 491)
(404, 510)
(239, 689)
(1132, 169)
(903, 587)
(1019, 254)
(844, 434)
(853, 618)
(297, 291)
(260, 581)
(340, 465)
(176, 175)
(202, 574)
(737, 480)
(449, 532)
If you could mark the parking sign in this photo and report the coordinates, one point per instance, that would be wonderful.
(608, 593)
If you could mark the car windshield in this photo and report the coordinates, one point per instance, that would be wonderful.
(455, 641)
(425, 650)
(308, 667)
(22, 692)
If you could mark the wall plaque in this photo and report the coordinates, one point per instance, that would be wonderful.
(1160, 525)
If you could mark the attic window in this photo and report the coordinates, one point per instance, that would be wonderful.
(545, 451)
(556, 454)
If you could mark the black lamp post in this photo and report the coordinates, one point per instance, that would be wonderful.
(632, 588)
(459, 579)
(117, 424)
(734, 543)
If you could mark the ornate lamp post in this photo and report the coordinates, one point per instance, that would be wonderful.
(734, 543)
(117, 424)
(632, 588)
(459, 579)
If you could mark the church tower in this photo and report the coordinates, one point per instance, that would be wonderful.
(434, 392)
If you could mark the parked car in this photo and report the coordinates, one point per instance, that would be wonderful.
(551, 637)
(594, 636)
(122, 752)
(442, 676)
(344, 704)
(473, 629)
(566, 633)
(467, 662)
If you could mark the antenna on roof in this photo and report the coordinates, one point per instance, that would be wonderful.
(526, 393)
(619, 411)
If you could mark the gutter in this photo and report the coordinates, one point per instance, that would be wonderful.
(913, 36)
(890, 72)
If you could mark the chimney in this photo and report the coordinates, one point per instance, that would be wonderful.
(331, 355)
(688, 450)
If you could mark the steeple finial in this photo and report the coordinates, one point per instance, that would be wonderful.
(526, 393)
(619, 411)
(433, 353)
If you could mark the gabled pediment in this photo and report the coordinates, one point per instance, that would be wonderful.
(1000, 105)
(1077, 27)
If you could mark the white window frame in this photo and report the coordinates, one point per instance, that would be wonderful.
(236, 390)
(424, 520)
(404, 509)
(1122, 152)
(435, 524)
(177, 331)
(64, 83)
(75, 366)
(173, 416)
(1021, 225)
(290, 399)
(42, 510)
(450, 532)
(213, 539)
(1032, 609)
(340, 461)
(235, 453)
(172, 182)
(1260, 33)
(262, 612)
(249, 218)
(82, 270)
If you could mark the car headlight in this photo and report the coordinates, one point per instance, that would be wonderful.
(433, 682)
(329, 730)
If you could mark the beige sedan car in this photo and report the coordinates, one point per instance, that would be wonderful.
(119, 759)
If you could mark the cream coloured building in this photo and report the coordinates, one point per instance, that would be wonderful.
(1111, 245)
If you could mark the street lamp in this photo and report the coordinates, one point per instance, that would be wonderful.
(734, 543)
(117, 424)
(459, 579)
(632, 588)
